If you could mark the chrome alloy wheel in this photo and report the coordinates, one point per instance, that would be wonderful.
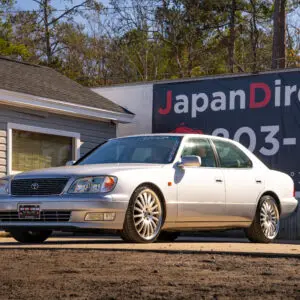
(269, 219)
(147, 214)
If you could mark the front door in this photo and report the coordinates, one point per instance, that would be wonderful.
(201, 190)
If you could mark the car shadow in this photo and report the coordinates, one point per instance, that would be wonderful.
(107, 240)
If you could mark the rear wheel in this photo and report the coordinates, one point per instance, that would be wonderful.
(266, 224)
(144, 216)
(28, 236)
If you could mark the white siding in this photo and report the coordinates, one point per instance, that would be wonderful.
(2, 150)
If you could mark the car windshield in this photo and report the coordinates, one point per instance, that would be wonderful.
(139, 149)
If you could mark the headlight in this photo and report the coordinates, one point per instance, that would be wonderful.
(4, 183)
(99, 184)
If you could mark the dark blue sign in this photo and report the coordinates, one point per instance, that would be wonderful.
(260, 111)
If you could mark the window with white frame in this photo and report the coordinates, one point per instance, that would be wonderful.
(35, 148)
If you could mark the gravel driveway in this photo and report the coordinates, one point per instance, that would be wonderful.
(99, 274)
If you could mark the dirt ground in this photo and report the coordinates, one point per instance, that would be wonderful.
(81, 274)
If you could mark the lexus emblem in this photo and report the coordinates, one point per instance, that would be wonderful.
(35, 186)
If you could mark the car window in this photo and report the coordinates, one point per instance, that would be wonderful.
(202, 148)
(231, 156)
(140, 149)
(141, 154)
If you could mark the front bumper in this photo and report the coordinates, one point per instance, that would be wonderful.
(78, 205)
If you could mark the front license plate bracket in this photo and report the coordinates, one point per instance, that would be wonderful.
(29, 211)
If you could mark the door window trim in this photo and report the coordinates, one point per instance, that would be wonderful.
(76, 142)
(217, 158)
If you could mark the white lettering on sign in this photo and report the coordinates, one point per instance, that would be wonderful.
(260, 96)
(271, 142)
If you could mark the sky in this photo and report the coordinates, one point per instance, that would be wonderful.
(58, 4)
(29, 4)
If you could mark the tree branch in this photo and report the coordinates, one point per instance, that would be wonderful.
(68, 11)
(38, 2)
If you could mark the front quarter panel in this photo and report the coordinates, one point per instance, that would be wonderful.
(161, 177)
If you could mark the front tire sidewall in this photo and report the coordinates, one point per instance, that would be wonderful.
(130, 233)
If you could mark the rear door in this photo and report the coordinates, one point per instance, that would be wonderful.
(201, 190)
(243, 183)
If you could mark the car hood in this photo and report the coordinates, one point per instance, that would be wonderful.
(84, 170)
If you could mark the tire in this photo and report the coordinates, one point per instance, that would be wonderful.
(144, 216)
(166, 236)
(124, 237)
(266, 224)
(30, 236)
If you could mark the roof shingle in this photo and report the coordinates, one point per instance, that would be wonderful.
(45, 82)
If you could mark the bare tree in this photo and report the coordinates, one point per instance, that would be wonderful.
(232, 36)
(254, 34)
(279, 35)
(49, 19)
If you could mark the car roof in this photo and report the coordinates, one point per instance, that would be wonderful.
(178, 134)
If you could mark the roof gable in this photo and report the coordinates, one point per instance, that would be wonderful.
(47, 83)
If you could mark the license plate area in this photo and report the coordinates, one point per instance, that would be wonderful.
(29, 211)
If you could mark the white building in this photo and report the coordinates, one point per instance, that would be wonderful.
(47, 119)
(138, 99)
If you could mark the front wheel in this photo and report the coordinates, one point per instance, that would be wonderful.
(265, 226)
(28, 236)
(144, 216)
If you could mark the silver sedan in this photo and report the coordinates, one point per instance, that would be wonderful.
(149, 188)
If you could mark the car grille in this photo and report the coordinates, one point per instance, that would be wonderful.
(38, 187)
(46, 216)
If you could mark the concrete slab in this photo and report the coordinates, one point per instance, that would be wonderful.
(182, 245)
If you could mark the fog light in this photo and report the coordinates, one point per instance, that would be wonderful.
(95, 216)
(109, 216)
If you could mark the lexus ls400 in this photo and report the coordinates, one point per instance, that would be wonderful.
(149, 188)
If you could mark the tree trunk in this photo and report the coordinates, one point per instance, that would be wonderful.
(254, 34)
(282, 48)
(232, 36)
(279, 38)
(47, 32)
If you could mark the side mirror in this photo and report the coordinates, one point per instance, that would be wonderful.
(190, 161)
(70, 162)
